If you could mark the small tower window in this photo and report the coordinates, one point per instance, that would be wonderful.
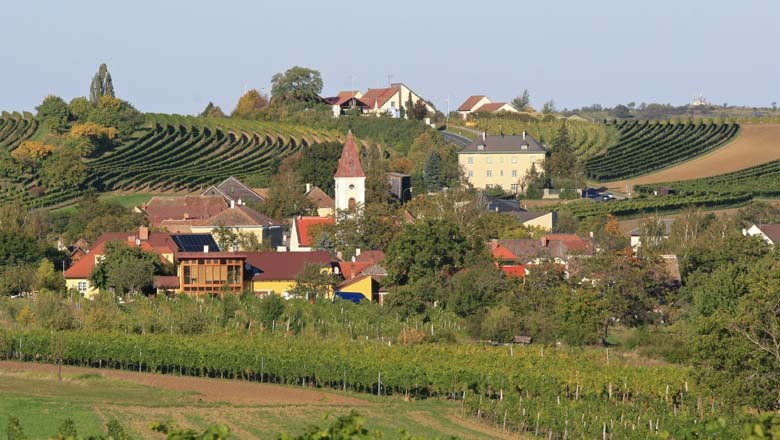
(351, 186)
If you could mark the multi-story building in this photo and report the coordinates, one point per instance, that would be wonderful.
(501, 160)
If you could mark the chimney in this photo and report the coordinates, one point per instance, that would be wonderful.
(545, 241)
(357, 252)
(523, 134)
(308, 188)
(205, 249)
(232, 203)
(186, 216)
(240, 202)
(493, 243)
(131, 240)
(484, 136)
(143, 233)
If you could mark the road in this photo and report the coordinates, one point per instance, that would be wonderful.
(456, 138)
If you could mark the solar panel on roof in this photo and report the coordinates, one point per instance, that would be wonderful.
(195, 242)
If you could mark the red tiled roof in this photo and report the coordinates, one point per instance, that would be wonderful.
(469, 103)
(343, 97)
(275, 266)
(349, 163)
(572, 241)
(158, 242)
(371, 256)
(517, 271)
(159, 209)
(166, 282)
(771, 230)
(319, 198)
(490, 107)
(303, 225)
(378, 97)
(238, 216)
(352, 269)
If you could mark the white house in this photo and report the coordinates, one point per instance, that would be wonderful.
(770, 233)
(391, 99)
(472, 103)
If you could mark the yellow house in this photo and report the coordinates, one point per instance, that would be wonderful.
(275, 272)
(77, 276)
(242, 220)
(501, 160)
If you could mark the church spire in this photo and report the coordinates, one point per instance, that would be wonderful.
(349, 163)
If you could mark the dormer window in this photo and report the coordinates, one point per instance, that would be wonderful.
(524, 147)
(480, 147)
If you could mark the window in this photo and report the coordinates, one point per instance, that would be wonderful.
(489, 159)
(515, 187)
(514, 159)
(514, 173)
(471, 160)
(82, 286)
(489, 173)
(351, 202)
(471, 173)
(501, 173)
(351, 186)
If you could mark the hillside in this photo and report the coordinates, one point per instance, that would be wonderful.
(168, 153)
(645, 146)
(754, 145)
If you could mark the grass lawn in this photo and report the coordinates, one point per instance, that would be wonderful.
(128, 200)
(41, 403)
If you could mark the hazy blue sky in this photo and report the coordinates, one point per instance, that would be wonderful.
(175, 56)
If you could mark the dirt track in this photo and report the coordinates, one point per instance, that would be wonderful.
(754, 145)
(207, 390)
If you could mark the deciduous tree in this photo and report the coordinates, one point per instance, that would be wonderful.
(297, 83)
(248, 106)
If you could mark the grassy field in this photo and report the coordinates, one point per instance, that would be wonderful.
(92, 398)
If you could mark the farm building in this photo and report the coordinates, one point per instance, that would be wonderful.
(391, 99)
(770, 233)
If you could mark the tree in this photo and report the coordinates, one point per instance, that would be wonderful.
(48, 278)
(67, 430)
(213, 111)
(318, 164)
(31, 153)
(114, 112)
(89, 137)
(101, 85)
(297, 84)
(620, 111)
(248, 106)
(428, 248)
(116, 431)
(562, 167)
(52, 312)
(474, 289)
(499, 324)
(53, 113)
(286, 196)
(63, 170)
(126, 269)
(549, 107)
(79, 108)
(432, 176)
(226, 238)
(420, 110)
(521, 102)
(313, 282)
(533, 183)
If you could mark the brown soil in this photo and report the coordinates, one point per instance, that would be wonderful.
(206, 390)
(754, 145)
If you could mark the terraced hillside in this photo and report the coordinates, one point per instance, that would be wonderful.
(759, 181)
(646, 146)
(170, 153)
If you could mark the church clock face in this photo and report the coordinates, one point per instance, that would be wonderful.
(351, 186)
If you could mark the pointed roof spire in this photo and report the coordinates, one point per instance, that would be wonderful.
(349, 163)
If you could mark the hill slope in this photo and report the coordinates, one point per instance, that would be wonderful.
(754, 145)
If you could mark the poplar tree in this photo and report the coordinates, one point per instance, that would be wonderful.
(101, 84)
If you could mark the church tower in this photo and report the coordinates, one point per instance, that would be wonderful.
(350, 178)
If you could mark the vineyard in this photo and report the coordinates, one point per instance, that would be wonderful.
(646, 146)
(586, 139)
(170, 153)
(655, 205)
(759, 181)
(554, 393)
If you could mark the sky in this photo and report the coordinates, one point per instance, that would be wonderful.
(176, 56)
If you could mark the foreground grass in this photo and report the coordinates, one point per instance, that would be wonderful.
(41, 402)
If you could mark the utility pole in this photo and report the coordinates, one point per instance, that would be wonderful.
(447, 116)
(389, 79)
